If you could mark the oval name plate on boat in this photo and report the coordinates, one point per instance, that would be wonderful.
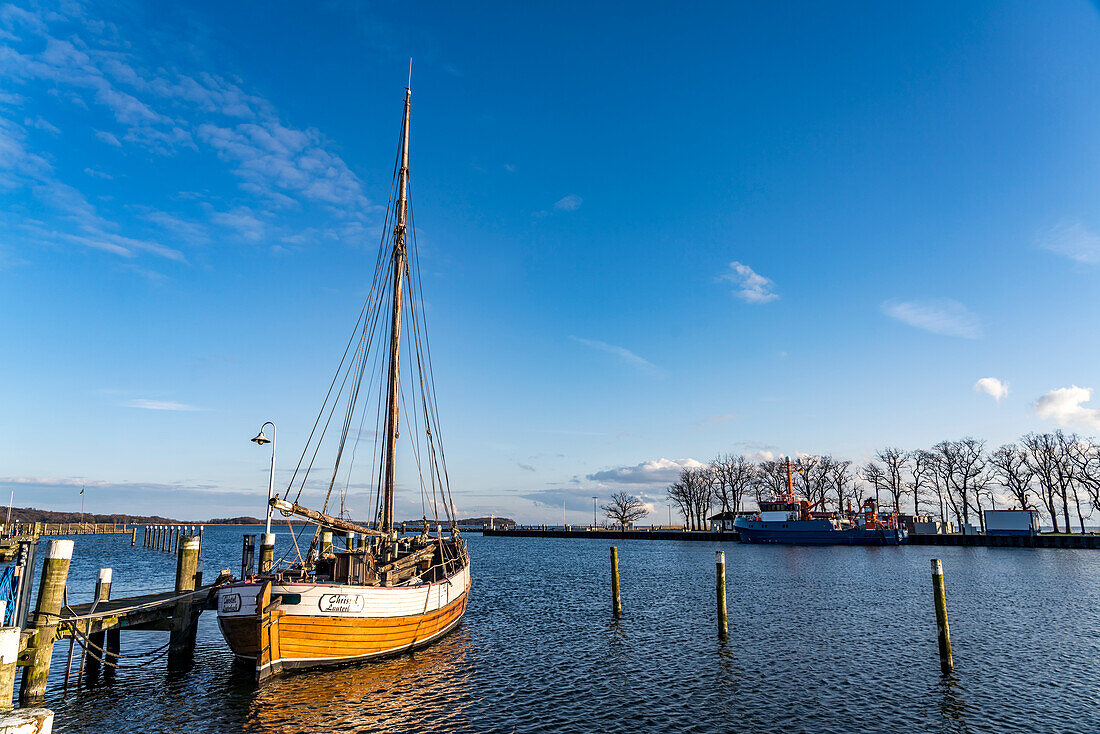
(341, 603)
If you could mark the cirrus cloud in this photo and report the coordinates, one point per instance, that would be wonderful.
(943, 316)
(754, 288)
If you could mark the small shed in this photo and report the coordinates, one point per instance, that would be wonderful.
(722, 522)
(1011, 522)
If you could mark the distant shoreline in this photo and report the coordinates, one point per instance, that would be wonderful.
(31, 514)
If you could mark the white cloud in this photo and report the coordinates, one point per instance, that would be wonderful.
(1072, 240)
(755, 288)
(621, 352)
(657, 471)
(993, 387)
(940, 316)
(1064, 406)
(108, 138)
(41, 124)
(144, 404)
(569, 203)
(242, 220)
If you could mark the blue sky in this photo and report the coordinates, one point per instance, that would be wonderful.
(650, 235)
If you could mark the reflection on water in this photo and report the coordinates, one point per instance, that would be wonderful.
(821, 639)
(952, 707)
(426, 690)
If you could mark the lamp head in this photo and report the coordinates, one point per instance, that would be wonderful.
(261, 439)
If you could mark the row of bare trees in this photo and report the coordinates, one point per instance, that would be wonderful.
(1050, 472)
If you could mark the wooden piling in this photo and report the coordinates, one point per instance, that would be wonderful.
(94, 655)
(616, 601)
(267, 551)
(51, 591)
(326, 544)
(176, 539)
(181, 643)
(720, 576)
(947, 664)
(145, 538)
(133, 537)
(9, 653)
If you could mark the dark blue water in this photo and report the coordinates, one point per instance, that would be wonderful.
(822, 640)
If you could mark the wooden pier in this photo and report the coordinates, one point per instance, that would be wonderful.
(96, 627)
(42, 529)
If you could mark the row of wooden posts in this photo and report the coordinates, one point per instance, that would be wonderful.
(100, 634)
(167, 537)
(947, 664)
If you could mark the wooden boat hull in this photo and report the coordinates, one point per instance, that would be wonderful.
(294, 626)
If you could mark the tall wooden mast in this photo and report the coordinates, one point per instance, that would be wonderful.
(399, 266)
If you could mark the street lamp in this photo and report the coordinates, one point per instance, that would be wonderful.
(260, 440)
(593, 513)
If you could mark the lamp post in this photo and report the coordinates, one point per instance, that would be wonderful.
(260, 440)
(593, 513)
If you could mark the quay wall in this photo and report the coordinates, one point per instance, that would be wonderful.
(993, 541)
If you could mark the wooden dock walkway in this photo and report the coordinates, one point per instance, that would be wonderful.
(96, 627)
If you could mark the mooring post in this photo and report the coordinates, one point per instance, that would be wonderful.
(248, 556)
(133, 537)
(51, 590)
(267, 551)
(9, 653)
(947, 664)
(95, 655)
(720, 575)
(145, 538)
(176, 539)
(158, 538)
(349, 542)
(181, 641)
(326, 544)
(616, 602)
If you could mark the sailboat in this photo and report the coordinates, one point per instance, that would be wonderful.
(385, 592)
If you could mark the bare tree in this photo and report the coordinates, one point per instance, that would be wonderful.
(1085, 455)
(1042, 459)
(624, 509)
(875, 475)
(961, 466)
(733, 478)
(1069, 475)
(1012, 471)
(679, 495)
(894, 462)
(841, 481)
(802, 477)
(693, 494)
(703, 495)
(920, 476)
(771, 478)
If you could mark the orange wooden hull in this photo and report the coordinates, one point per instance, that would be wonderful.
(279, 639)
(306, 641)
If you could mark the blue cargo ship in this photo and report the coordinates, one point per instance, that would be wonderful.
(786, 519)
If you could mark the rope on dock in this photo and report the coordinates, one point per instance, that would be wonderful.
(90, 649)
